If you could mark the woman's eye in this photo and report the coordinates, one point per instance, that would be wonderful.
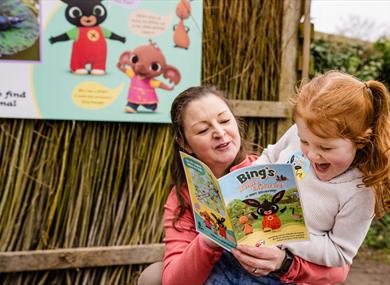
(225, 121)
(304, 142)
(202, 131)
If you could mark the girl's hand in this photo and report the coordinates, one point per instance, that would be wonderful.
(259, 261)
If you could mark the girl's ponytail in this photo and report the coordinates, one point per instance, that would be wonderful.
(377, 168)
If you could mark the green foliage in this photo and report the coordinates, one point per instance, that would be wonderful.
(366, 62)
(379, 234)
(383, 46)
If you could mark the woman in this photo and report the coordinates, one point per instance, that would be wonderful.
(205, 127)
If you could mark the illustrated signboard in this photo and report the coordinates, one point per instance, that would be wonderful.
(106, 60)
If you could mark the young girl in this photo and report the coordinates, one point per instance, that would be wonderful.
(339, 149)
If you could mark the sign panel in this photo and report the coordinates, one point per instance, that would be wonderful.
(106, 60)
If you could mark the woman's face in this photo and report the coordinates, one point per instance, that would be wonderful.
(211, 132)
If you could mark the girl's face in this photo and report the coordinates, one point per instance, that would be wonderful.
(329, 157)
(211, 132)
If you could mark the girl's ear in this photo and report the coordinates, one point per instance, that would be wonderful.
(368, 133)
(365, 139)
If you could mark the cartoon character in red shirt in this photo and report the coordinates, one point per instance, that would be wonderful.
(268, 210)
(89, 46)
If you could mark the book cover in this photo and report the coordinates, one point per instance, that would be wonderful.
(256, 205)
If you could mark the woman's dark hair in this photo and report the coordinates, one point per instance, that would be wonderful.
(177, 111)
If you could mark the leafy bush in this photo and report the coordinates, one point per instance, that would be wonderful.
(383, 46)
(379, 234)
(366, 62)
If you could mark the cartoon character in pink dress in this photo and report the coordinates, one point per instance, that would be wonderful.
(143, 65)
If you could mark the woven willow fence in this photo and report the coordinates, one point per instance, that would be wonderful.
(67, 184)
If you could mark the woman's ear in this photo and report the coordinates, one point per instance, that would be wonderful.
(183, 145)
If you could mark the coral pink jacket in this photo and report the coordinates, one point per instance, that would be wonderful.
(189, 260)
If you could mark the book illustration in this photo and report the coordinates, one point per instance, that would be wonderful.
(207, 192)
(181, 38)
(89, 46)
(257, 205)
(143, 65)
(268, 210)
(300, 164)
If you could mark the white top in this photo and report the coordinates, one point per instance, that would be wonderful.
(337, 213)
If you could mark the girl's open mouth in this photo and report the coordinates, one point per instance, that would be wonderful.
(322, 167)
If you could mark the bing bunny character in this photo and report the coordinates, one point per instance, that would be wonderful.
(143, 65)
(89, 46)
(268, 210)
(180, 34)
(221, 226)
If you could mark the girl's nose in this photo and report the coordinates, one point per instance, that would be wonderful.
(313, 155)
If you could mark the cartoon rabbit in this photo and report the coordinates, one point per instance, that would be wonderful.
(268, 210)
(89, 46)
(143, 65)
(180, 34)
(221, 226)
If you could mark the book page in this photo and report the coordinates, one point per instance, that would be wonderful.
(264, 205)
(209, 211)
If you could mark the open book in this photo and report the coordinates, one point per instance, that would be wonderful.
(255, 205)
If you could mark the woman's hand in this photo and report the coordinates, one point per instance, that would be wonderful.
(210, 243)
(259, 261)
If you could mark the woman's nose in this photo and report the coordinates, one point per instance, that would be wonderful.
(219, 131)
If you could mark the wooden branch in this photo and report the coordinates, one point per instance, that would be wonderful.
(35, 260)
(261, 109)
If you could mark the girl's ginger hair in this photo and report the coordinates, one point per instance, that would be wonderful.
(339, 105)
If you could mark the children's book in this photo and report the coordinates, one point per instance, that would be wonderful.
(256, 205)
